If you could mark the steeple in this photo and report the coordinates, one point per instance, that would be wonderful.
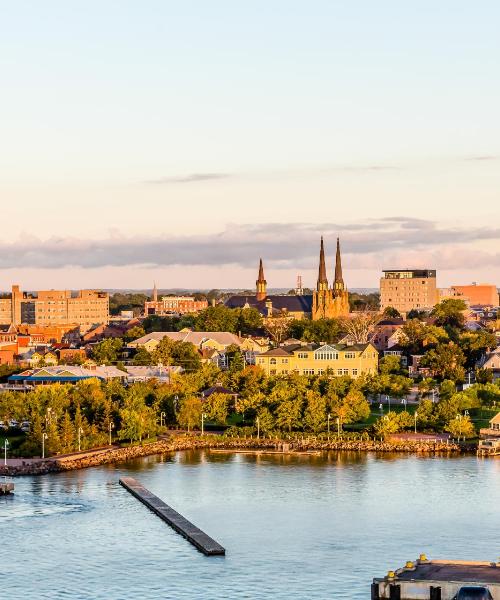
(261, 283)
(322, 278)
(338, 284)
(155, 292)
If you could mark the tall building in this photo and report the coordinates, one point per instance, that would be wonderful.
(325, 302)
(84, 308)
(408, 289)
(476, 294)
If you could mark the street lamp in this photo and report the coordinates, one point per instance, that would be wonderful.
(162, 418)
(44, 437)
(338, 426)
(416, 415)
(203, 417)
(258, 428)
(329, 415)
(176, 402)
(5, 446)
(80, 431)
(111, 426)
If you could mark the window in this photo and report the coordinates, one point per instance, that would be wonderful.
(308, 372)
(346, 371)
(302, 355)
(272, 361)
(272, 372)
(350, 355)
(326, 356)
(284, 360)
(339, 372)
(321, 371)
(355, 372)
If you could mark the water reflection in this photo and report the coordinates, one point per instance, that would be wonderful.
(306, 526)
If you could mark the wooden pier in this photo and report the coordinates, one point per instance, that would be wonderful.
(198, 538)
(6, 488)
(436, 580)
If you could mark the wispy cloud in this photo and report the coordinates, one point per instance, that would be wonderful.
(189, 178)
(282, 245)
(483, 158)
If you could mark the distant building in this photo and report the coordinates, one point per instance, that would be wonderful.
(318, 359)
(85, 308)
(483, 294)
(217, 340)
(408, 289)
(173, 305)
(159, 372)
(324, 303)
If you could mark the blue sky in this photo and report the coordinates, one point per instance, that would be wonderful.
(180, 141)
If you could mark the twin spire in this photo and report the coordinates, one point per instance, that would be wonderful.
(322, 285)
(338, 283)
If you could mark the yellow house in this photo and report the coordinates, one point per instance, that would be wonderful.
(47, 358)
(317, 359)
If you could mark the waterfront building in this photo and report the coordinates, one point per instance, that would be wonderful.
(408, 289)
(84, 308)
(324, 303)
(160, 373)
(318, 359)
(67, 374)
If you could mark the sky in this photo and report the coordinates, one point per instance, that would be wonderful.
(179, 142)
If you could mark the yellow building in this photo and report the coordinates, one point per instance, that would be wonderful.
(408, 289)
(318, 359)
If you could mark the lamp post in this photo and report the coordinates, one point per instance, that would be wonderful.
(162, 418)
(338, 426)
(80, 431)
(111, 426)
(5, 446)
(388, 397)
(328, 421)
(203, 417)
(44, 437)
(258, 428)
(416, 415)
(176, 402)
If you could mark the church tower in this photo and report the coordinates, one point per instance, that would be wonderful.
(329, 303)
(155, 292)
(261, 284)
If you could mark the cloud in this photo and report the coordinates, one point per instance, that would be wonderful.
(190, 178)
(383, 243)
(482, 158)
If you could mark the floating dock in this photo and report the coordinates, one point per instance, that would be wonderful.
(198, 538)
(436, 580)
(6, 488)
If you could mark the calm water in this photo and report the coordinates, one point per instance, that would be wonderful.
(301, 527)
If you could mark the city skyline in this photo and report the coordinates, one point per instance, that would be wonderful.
(180, 145)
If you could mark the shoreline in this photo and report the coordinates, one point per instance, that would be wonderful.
(58, 464)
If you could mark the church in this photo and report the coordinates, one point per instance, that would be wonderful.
(324, 303)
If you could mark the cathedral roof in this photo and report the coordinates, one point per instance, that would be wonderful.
(288, 303)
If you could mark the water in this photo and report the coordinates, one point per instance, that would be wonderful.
(293, 527)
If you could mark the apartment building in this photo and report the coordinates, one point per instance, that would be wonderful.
(408, 289)
(84, 308)
(319, 359)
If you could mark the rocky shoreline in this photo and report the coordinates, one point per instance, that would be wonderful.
(184, 442)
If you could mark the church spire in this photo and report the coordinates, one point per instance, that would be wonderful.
(322, 278)
(338, 284)
(155, 292)
(261, 283)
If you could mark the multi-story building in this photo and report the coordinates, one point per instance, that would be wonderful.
(49, 308)
(482, 294)
(179, 305)
(408, 289)
(319, 359)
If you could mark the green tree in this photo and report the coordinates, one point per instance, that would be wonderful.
(416, 336)
(391, 313)
(461, 427)
(190, 412)
(107, 351)
(288, 414)
(450, 313)
(67, 434)
(217, 318)
(134, 333)
(266, 420)
(475, 344)
(446, 361)
(142, 357)
(137, 419)
(315, 413)
(217, 407)
(249, 321)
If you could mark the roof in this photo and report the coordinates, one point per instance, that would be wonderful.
(279, 302)
(276, 352)
(495, 420)
(225, 338)
(68, 373)
(217, 389)
(288, 350)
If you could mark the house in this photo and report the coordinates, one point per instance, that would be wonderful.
(66, 374)
(384, 331)
(493, 430)
(317, 359)
(218, 389)
(492, 362)
(218, 340)
(398, 351)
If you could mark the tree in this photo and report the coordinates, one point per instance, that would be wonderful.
(142, 357)
(217, 318)
(277, 327)
(391, 313)
(137, 419)
(107, 351)
(484, 376)
(393, 422)
(134, 333)
(326, 331)
(235, 359)
(190, 412)
(360, 325)
(186, 356)
(266, 420)
(450, 313)
(249, 321)
(475, 344)
(461, 427)
(67, 435)
(120, 301)
(390, 365)
(315, 413)
(446, 361)
(416, 336)
(217, 407)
